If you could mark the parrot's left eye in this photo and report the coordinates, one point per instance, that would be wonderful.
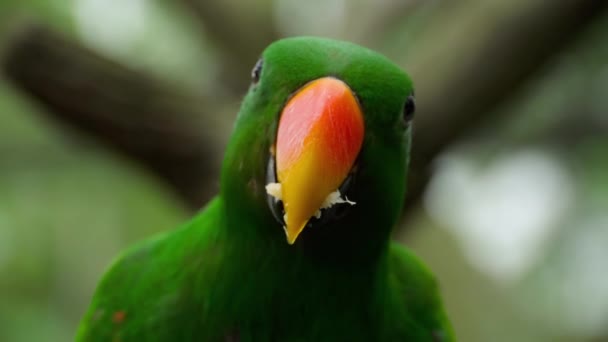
(409, 108)
(257, 71)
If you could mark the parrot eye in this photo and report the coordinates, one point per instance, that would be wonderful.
(257, 71)
(409, 108)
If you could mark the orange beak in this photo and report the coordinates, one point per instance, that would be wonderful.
(319, 138)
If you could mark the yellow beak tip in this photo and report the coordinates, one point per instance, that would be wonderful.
(291, 238)
(292, 234)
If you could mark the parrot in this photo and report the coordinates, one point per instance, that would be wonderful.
(297, 244)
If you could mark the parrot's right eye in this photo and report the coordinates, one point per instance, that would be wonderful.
(257, 71)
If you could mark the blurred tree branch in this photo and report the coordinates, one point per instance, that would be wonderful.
(241, 30)
(461, 75)
(138, 116)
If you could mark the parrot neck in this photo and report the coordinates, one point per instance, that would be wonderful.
(353, 242)
(322, 246)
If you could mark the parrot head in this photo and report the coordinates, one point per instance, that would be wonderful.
(322, 138)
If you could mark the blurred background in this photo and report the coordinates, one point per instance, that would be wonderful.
(114, 116)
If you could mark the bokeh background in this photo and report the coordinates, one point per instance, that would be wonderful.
(114, 115)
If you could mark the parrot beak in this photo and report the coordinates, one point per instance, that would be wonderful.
(319, 137)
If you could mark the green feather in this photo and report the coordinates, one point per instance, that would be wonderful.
(229, 274)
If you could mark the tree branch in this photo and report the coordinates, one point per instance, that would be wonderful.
(145, 120)
(457, 87)
(241, 30)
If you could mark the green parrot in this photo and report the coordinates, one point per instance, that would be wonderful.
(296, 246)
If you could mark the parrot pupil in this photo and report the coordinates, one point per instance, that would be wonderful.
(257, 71)
(409, 108)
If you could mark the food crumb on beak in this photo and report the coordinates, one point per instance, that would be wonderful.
(331, 200)
(274, 190)
(335, 198)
